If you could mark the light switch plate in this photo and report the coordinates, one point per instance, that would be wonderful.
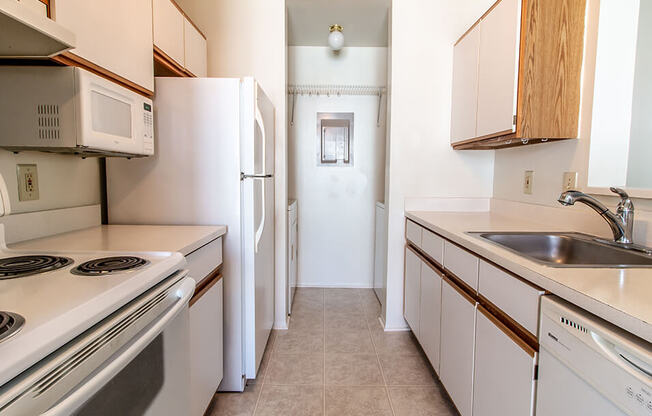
(527, 182)
(570, 181)
(27, 182)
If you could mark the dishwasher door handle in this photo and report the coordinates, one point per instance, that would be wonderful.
(636, 366)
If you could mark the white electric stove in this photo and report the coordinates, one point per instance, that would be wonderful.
(70, 322)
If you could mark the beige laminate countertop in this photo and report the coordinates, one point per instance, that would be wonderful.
(180, 238)
(620, 296)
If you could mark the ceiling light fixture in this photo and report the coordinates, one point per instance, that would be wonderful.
(335, 37)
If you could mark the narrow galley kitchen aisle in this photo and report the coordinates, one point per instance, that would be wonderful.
(336, 360)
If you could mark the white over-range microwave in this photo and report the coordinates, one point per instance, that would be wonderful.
(71, 110)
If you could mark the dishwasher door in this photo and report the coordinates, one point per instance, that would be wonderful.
(589, 367)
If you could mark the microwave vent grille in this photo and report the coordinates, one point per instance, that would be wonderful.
(48, 121)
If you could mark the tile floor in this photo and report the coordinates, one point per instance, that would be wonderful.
(336, 360)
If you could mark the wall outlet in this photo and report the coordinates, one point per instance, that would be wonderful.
(570, 181)
(27, 182)
(527, 182)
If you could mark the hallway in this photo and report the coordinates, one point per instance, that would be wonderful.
(336, 360)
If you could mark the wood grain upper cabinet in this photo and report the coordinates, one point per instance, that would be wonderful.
(465, 87)
(115, 36)
(195, 50)
(530, 56)
(169, 25)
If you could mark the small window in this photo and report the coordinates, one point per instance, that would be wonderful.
(335, 139)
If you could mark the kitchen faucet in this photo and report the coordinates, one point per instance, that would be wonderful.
(621, 223)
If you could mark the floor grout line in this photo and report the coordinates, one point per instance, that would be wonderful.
(382, 372)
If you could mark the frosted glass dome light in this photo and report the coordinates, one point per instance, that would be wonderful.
(336, 37)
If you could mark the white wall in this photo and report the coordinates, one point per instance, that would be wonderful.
(65, 181)
(248, 37)
(336, 205)
(422, 163)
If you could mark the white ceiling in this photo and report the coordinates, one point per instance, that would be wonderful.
(364, 21)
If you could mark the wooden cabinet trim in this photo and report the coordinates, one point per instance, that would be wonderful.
(166, 61)
(507, 331)
(206, 283)
(188, 18)
(477, 22)
(70, 59)
(455, 285)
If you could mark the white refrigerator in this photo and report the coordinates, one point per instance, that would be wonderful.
(214, 164)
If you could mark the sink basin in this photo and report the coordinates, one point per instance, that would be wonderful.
(567, 249)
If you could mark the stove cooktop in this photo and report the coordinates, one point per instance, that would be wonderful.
(109, 265)
(27, 265)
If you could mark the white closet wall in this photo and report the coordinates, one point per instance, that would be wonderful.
(336, 204)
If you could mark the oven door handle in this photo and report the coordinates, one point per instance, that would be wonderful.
(78, 397)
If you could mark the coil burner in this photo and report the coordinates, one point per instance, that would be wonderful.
(21, 266)
(109, 265)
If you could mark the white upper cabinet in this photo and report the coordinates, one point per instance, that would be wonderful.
(465, 87)
(195, 50)
(115, 36)
(169, 30)
(498, 69)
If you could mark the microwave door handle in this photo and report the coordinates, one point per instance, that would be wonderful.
(261, 226)
(79, 396)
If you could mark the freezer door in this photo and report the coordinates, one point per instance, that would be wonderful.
(257, 130)
(258, 267)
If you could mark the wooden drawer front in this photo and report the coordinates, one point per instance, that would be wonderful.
(503, 381)
(433, 245)
(205, 259)
(462, 264)
(430, 314)
(412, 290)
(516, 298)
(413, 232)
(457, 344)
(206, 348)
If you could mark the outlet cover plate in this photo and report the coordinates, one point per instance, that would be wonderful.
(527, 182)
(570, 181)
(27, 183)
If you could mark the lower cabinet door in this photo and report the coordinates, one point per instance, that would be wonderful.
(206, 348)
(412, 289)
(457, 342)
(504, 370)
(430, 314)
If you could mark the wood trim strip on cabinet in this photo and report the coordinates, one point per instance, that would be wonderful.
(459, 290)
(188, 17)
(70, 59)
(477, 22)
(48, 8)
(517, 329)
(170, 64)
(507, 331)
(501, 134)
(206, 283)
(502, 142)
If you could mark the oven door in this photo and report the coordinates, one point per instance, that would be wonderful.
(135, 362)
(111, 117)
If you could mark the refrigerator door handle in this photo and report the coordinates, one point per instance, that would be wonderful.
(261, 227)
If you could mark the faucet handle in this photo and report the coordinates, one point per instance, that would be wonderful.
(621, 192)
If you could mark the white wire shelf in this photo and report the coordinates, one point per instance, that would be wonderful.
(335, 90)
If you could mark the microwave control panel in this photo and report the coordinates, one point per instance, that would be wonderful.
(148, 133)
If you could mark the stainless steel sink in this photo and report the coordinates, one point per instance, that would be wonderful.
(569, 249)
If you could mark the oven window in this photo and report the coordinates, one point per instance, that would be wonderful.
(132, 390)
(111, 116)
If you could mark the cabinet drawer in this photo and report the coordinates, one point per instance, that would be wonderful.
(433, 245)
(462, 264)
(205, 259)
(503, 382)
(413, 232)
(513, 296)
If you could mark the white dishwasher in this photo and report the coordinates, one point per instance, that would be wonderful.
(589, 367)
